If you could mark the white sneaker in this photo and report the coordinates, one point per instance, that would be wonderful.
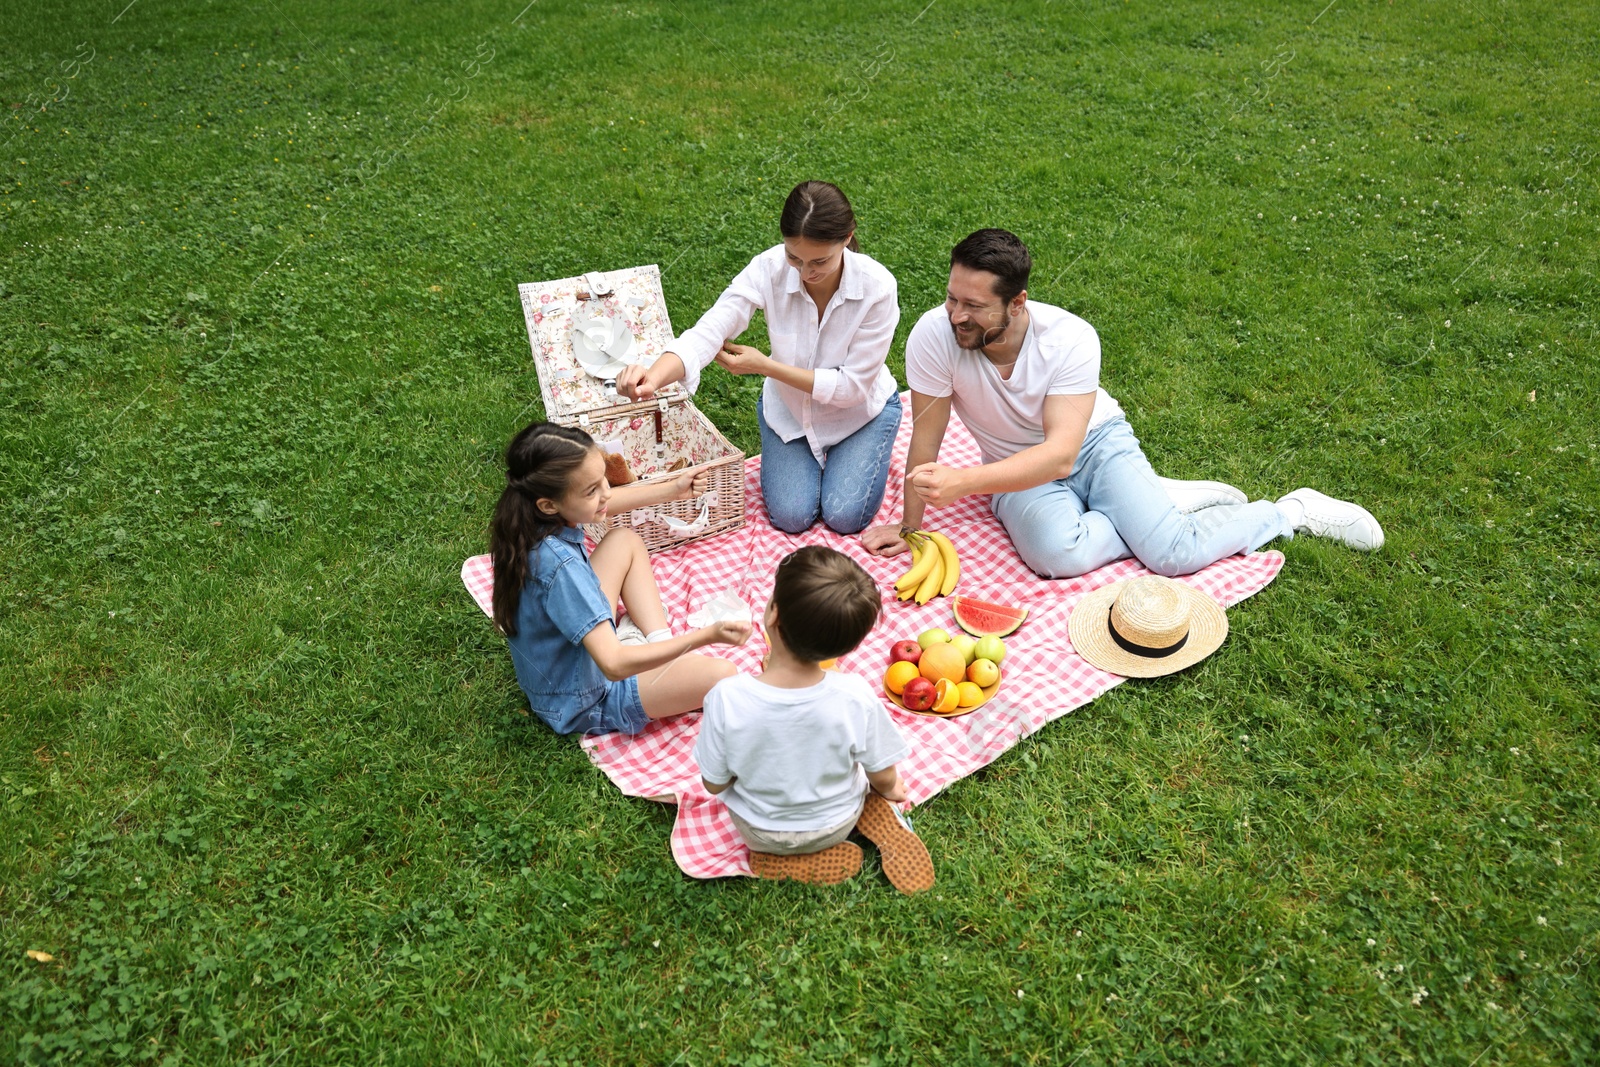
(1338, 520)
(1192, 496)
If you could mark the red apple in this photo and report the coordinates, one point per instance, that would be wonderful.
(918, 695)
(905, 652)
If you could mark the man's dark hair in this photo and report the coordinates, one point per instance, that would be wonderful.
(826, 603)
(999, 252)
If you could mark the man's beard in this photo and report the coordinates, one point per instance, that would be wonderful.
(978, 339)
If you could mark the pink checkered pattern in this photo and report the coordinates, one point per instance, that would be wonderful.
(1044, 678)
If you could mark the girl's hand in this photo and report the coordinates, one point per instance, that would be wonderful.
(742, 359)
(729, 632)
(690, 483)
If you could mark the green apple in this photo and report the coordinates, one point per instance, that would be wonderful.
(966, 646)
(992, 649)
(934, 636)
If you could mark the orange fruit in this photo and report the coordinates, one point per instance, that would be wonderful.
(943, 661)
(898, 674)
(984, 672)
(946, 697)
(969, 693)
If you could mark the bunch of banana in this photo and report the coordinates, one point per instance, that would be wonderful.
(935, 568)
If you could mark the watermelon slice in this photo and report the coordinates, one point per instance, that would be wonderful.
(980, 618)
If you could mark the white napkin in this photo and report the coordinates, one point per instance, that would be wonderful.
(726, 606)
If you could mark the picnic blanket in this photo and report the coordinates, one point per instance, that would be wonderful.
(1043, 680)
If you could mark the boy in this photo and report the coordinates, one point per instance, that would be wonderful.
(801, 755)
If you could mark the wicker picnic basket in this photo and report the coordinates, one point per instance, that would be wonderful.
(627, 311)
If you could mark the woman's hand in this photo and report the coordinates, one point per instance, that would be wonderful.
(742, 359)
(638, 382)
(634, 382)
(884, 540)
(690, 483)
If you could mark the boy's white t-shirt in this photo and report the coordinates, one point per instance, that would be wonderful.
(1060, 356)
(798, 758)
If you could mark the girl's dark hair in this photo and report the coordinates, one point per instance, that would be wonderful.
(819, 211)
(826, 603)
(998, 252)
(539, 463)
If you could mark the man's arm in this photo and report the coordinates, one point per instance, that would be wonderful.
(1066, 421)
(930, 417)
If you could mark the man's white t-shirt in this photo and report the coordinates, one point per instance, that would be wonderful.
(798, 758)
(1060, 356)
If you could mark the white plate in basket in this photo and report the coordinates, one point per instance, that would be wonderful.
(601, 344)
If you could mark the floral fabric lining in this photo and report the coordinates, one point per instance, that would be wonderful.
(548, 308)
(685, 432)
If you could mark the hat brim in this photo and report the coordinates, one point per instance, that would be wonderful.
(1089, 626)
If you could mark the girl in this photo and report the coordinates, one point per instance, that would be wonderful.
(830, 409)
(556, 604)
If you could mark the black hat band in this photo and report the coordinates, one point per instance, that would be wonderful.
(1140, 650)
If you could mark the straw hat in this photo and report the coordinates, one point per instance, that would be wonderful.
(1147, 626)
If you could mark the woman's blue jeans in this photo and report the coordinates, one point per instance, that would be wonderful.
(846, 492)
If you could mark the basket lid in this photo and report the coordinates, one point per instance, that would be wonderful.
(623, 314)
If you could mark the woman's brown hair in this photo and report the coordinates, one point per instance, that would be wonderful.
(826, 603)
(819, 211)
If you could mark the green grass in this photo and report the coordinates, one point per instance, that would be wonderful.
(267, 793)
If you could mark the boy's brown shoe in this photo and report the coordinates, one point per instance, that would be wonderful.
(905, 857)
(828, 867)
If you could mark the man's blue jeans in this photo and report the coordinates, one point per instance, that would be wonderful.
(1112, 507)
(845, 493)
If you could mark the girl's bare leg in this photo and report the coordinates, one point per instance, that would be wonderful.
(622, 563)
(681, 685)
(623, 566)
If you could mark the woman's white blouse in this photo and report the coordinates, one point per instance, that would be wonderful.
(845, 351)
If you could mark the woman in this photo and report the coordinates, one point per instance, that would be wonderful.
(830, 409)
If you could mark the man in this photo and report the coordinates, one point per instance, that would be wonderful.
(1068, 479)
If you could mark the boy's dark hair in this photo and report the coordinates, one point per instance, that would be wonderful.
(819, 211)
(999, 252)
(539, 462)
(826, 603)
